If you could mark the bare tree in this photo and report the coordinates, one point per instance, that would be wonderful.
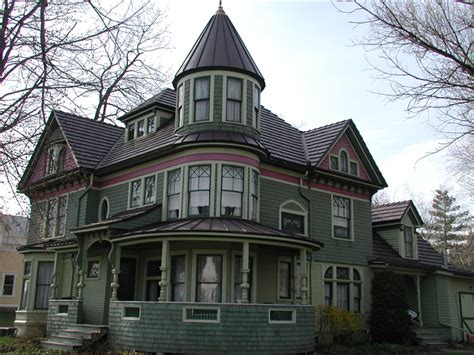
(462, 164)
(427, 50)
(75, 55)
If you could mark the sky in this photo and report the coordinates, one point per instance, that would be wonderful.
(315, 76)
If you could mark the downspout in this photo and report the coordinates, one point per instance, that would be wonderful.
(306, 175)
(81, 197)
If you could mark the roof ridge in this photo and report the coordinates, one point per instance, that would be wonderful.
(87, 119)
(281, 119)
(392, 203)
(327, 125)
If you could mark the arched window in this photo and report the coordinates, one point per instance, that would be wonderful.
(61, 159)
(56, 159)
(344, 161)
(104, 209)
(293, 217)
(343, 288)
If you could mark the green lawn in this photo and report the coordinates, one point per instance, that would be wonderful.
(16, 345)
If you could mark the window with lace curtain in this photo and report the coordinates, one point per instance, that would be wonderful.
(343, 288)
(201, 99)
(234, 99)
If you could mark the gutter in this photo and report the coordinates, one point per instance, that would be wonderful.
(81, 197)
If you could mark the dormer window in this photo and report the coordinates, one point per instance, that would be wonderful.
(131, 132)
(234, 99)
(408, 238)
(56, 159)
(201, 99)
(180, 105)
(140, 128)
(343, 163)
(150, 125)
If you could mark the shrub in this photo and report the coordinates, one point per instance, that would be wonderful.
(337, 325)
(389, 319)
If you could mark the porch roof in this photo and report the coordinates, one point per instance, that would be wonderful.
(218, 225)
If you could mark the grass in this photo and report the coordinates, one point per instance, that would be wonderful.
(17, 345)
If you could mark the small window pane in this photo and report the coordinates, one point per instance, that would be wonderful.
(178, 278)
(233, 111)
(93, 269)
(131, 131)
(354, 168)
(408, 242)
(104, 210)
(201, 88)
(334, 163)
(357, 296)
(234, 89)
(342, 273)
(153, 268)
(199, 190)
(27, 270)
(61, 220)
(24, 294)
(43, 284)
(209, 278)
(201, 99)
(341, 217)
(135, 193)
(8, 283)
(174, 193)
(284, 284)
(232, 188)
(253, 195)
(328, 273)
(51, 222)
(202, 111)
(150, 126)
(343, 296)
(344, 162)
(293, 223)
(328, 293)
(140, 128)
(149, 189)
(356, 275)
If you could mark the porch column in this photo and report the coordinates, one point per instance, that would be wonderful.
(303, 276)
(418, 298)
(80, 265)
(245, 273)
(164, 274)
(55, 278)
(114, 260)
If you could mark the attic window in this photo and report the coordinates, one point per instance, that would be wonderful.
(334, 163)
(408, 238)
(140, 128)
(56, 159)
(131, 132)
(150, 125)
(344, 161)
(354, 168)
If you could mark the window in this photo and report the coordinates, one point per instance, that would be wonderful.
(341, 217)
(292, 223)
(174, 193)
(149, 190)
(238, 278)
(284, 279)
(334, 163)
(26, 284)
(199, 190)
(344, 161)
(56, 217)
(43, 284)
(140, 128)
(93, 269)
(153, 277)
(178, 278)
(256, 105)
(135, 193)
(408, 237)
(234, 99)
(180, 105)
(103, 209)
(56, 159)
(150, 125)
(201, 99)
(8, 284)
(344, 283)
(253, 195)
(209, 278)
(131, 131)
(354, 168)
(27, 270)
(232, 191)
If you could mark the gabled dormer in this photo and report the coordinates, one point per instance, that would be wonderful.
(396, 223)
(218, 85)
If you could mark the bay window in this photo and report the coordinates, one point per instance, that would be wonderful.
(341, 217)
(232, 191)
(199, 190)
(201, 99)
(341, 284)
(209, 278)
(178, 278)
(234, 99)
(174, 193)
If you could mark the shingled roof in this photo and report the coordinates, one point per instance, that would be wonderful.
(393, 212)
(89, 140)
(219, 46)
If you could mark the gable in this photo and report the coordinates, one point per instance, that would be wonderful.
(344, 143)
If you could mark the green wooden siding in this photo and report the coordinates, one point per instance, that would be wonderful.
(391, 236)
(37, 220)
(218, 93)
(249, 109)
(187, 100)
(68, 279)
(457, 285)
(117, 196)
(429, 302)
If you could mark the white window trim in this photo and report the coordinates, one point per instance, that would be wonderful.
(352, 234)
(303, 212)
(14, 284)
(334, 281)
(99, 214)
(147, 278)
(292, 281)
(93, 259)
(192, 102)
(186, 272)
(197, 252)
(45, 227)
(142, 191)
(253, 296)
(403, 251)
(131, 306)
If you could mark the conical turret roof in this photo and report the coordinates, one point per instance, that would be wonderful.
(219, 47)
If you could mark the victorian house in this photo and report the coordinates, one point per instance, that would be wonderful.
(210, 224)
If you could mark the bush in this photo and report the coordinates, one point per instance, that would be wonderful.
(389, 319)
(337, 325)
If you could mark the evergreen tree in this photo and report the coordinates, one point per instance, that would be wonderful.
(448, 228)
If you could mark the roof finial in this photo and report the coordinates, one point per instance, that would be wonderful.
(220, 10)
(220, 3)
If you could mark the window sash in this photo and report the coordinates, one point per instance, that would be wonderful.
(178, 278)
(131, 131)
(43, 284)
(284, 280)
(174, 194)
(341, 217)
(343, 295)
(199, 185)
(408, 237)
(149, 196)
(357, 290)
(234, 99)
(232, 191)
(24, 293)
(328, 293)
(344, 162)
(209, 278)
(292, 222)
(61, 219)
(135, 193)
(334, 161)
(354, 168)
(201, 99)
(140, 128)
(150, 126)
(8, 284)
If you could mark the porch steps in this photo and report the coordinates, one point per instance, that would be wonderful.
(428, 338)
(75, 337)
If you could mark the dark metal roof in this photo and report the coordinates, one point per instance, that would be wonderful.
(320, 140)
(393, 212)
(166, 97)
(428, 258)
(219, 46)
(50, 243)
(217, 225)
(89, 140)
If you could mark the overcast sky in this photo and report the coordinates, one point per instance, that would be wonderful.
(315, 76)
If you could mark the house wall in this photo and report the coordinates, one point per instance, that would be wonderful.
(457, 285)
(392, 236)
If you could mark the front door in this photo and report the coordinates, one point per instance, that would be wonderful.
(128, 268)
(466, 307)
